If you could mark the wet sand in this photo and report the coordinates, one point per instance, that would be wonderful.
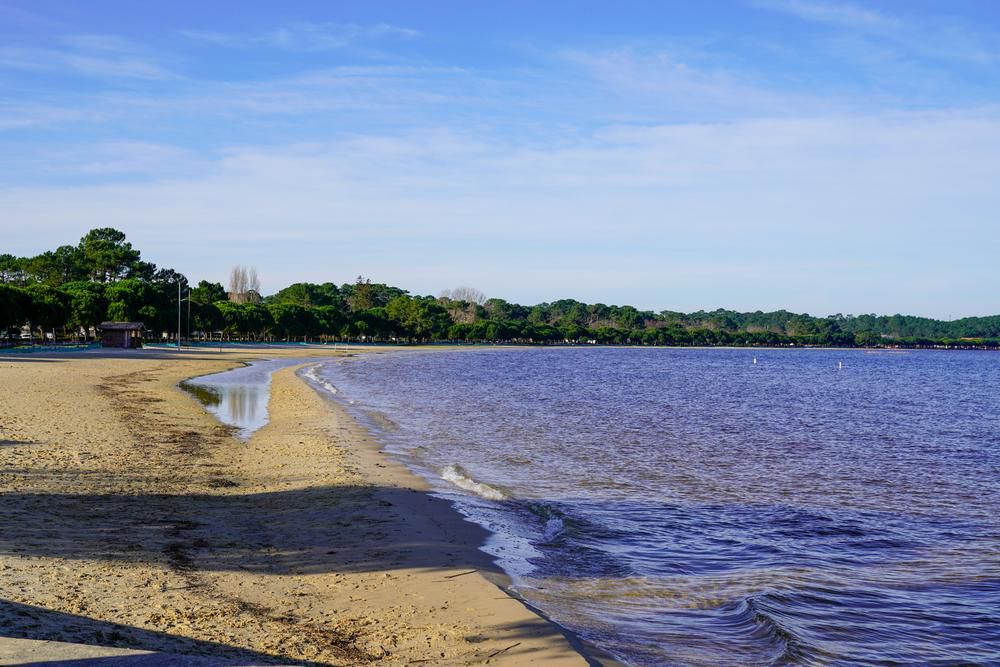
(133, 519)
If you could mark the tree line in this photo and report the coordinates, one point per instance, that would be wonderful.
(69, 291)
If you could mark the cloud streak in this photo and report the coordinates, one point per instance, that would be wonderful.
(942, 38)
(306, 37)
(98, 56)
(830, 13)
(25, 116)
(658, 82)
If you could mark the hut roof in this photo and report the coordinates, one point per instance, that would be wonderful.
(122, 326)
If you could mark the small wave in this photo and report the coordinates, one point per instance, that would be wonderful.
(460, 478)
(314, 377)
(545, 511)
(758, 619)
(555, 520)
(381, 421)
(553, 528)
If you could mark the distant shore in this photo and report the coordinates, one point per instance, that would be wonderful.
(133, 519)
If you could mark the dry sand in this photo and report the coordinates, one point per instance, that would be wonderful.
(130, 517)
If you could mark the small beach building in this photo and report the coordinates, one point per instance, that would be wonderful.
(122, 334)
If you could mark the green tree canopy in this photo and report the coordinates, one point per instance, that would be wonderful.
(48, 307)
(208, 293)
(14, 306)
(87, 303)
(107, 255)
(311, 294)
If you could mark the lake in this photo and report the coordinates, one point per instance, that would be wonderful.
(722, 506)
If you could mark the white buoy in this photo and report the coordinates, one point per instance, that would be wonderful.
(755, 360)
(840, 365)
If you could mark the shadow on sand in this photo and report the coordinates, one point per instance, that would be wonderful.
(316, 530)
(47, 625)
(309, 531)
(170, 650)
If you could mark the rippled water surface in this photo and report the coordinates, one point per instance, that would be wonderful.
(692, 507)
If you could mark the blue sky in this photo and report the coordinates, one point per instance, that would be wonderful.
(758, 154)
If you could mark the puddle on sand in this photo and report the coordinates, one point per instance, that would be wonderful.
(239, 397)
(243, 407)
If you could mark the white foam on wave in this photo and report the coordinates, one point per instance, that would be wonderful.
(313, 376)
(460, 478)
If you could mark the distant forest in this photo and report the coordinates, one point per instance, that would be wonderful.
(69, 291)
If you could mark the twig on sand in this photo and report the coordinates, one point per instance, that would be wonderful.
(164, 589)
(496, 653)
(460, 574)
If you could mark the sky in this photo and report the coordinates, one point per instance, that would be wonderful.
(816, 156)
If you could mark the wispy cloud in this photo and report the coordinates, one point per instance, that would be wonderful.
(17, 18)
(659, 84)
(15, 116)
(126, 160)
(306, 37)
(101, 56)
(941, 38)
(830, 13)
(337, 98)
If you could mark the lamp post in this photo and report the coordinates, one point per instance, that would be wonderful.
(179, 300)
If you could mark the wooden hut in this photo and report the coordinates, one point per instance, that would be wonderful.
(122, 334)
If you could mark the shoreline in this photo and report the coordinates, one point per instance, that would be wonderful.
(136, 520)
(400, 474)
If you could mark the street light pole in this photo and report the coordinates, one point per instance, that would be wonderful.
(178, 316)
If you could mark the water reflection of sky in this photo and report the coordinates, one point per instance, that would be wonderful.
(239, 397)
(242, 406)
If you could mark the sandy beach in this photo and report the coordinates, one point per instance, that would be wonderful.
(133, 519)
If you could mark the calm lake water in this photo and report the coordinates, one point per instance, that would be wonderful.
(692, 507)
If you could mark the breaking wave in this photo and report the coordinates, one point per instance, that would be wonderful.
(314, 377)
(458, 476)
(555, 520)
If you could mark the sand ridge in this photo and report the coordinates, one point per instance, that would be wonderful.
(132, 518)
